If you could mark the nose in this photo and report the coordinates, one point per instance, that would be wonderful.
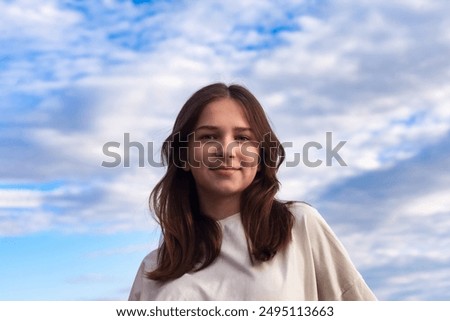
(230, 148)
(226, 147)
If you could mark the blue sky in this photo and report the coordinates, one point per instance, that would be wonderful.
(78, 74)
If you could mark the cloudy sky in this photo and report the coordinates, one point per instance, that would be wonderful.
(76, 75)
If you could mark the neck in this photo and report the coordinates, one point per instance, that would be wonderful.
(220, 208)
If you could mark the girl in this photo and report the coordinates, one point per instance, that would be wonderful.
(224, 234)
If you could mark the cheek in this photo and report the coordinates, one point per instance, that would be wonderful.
(249, 174)
(205, 155)
(195, 157)
(250, 156)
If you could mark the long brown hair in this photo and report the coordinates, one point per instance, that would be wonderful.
(191, 241)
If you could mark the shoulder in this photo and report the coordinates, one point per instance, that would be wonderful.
(305, 213)
(337, 277)
(310, 224)
(150, 261)
(299, 208)
(138, 288)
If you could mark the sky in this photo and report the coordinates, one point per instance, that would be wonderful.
(76, 76)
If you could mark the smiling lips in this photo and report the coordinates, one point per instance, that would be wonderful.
(225, 169)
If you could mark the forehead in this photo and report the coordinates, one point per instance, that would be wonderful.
(224, 111)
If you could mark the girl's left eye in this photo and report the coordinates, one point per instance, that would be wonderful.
(242, 138)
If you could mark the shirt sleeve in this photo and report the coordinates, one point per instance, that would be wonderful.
(136, 289)
(336, 277)
(142, 286)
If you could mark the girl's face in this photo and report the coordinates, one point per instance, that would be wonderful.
(223, 155)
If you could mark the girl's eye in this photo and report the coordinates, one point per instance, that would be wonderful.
(207, 137)
(242, 138)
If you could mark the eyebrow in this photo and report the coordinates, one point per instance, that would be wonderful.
(210, 127)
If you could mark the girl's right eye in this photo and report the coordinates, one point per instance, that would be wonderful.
(207, 137)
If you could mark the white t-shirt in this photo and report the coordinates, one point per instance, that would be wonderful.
(314, 266)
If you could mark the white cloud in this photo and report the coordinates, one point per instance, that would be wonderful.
(434, 203)
(17, 198)
(401, 285)
(17, 223)
(37, 20)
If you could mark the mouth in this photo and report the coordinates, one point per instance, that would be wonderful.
(225, 168)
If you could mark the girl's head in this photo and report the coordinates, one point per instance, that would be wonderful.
(237, 104)
(221, 143)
